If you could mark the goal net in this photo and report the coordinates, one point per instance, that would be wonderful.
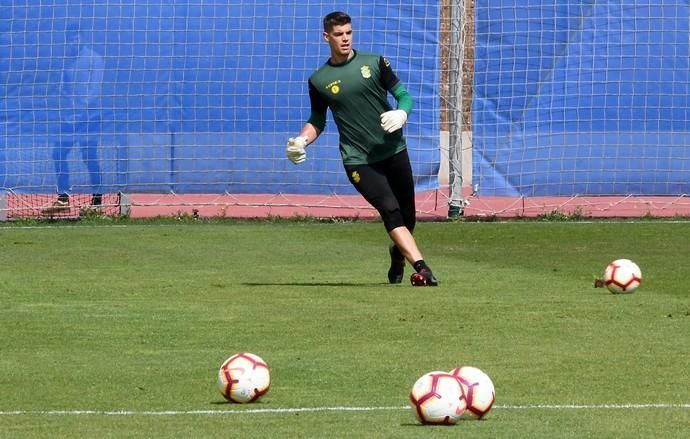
(191, 103)
(582, 104)
(520, 108)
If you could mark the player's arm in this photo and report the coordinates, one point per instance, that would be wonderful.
(395, 119)
(311, 130)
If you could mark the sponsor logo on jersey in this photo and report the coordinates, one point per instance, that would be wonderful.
(355, 176)
(334, 87)
(366, 72)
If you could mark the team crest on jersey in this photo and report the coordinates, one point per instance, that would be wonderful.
(334, 87)
(355, 177)
(366, 72)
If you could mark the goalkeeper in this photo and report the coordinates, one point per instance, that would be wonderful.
(355, 86)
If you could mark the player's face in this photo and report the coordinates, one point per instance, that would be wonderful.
(340, 41)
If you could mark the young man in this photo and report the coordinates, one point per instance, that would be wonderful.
(354, 85)
(80, 110)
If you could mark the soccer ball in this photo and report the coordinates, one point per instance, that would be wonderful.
(437, 398)
(622, 276)
(243, 378)
(478, 389)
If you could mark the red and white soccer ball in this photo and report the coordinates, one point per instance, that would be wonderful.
(437, 398)
(243, 378)
(479, 391)
(622, 276)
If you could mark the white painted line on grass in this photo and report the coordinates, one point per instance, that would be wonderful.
(595, 406)
(329, 409)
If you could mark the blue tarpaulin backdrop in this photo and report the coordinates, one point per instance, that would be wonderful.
(196, 97)
(569, 98)
(588, 98)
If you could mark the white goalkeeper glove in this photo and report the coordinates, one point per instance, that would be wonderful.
(295, 149)
(393, 120)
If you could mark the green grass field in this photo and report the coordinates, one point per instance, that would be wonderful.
(119, 330)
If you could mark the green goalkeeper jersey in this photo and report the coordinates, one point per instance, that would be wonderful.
(356, 91)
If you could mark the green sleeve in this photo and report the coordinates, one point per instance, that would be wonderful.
(403, 98)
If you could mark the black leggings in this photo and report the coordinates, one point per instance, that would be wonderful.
(388, 186)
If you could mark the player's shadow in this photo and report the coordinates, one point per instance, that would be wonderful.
(313, 284)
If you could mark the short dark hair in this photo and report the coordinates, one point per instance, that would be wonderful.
(336, 18)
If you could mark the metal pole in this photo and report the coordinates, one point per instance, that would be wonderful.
(456, 202)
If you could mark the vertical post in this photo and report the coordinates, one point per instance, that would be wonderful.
(3, 206)
(125, 204)
(456, 203)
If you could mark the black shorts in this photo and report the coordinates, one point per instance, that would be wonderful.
(388, 186)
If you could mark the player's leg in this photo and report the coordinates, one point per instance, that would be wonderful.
(404, 240)
(373, 186)
(396, 270)
(399, 173)
(371, 182)
(423, 275)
